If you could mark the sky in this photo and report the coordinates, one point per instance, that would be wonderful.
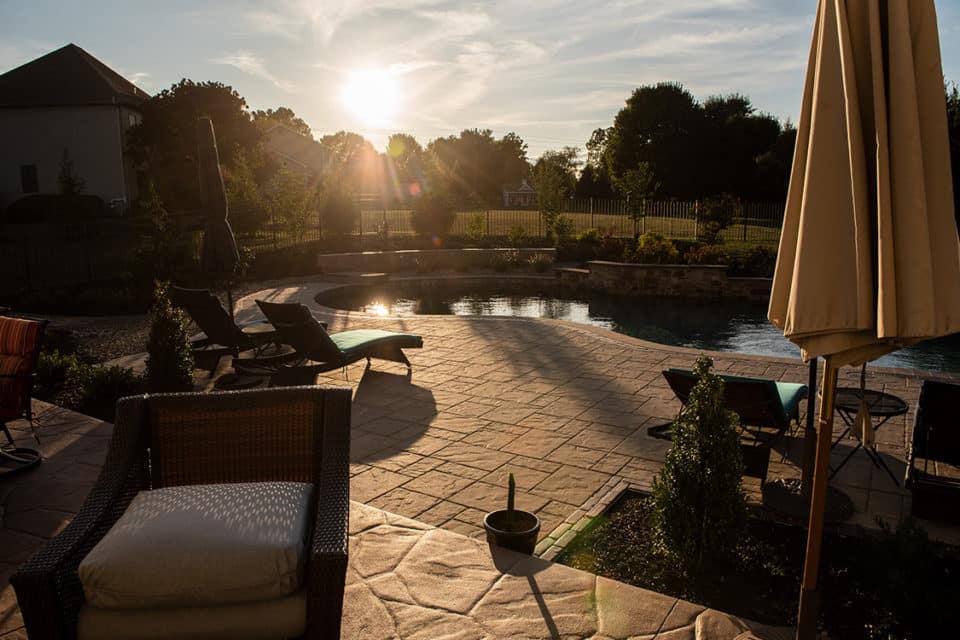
(550, 70)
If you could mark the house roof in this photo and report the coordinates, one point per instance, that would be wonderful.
(296, 147)
(68, 76)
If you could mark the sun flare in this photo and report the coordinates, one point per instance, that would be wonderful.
(372, 95)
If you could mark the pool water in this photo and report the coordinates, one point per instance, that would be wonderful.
(714, 325)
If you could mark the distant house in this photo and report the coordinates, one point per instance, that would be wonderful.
(67, 102)
(296, 151)
(519, 195)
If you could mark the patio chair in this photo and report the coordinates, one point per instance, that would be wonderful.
(933, 463)
(310, 340)
(19, 352)
(215, 515)
(222, 335)
(760, 403)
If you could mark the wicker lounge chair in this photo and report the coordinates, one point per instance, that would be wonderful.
(190, 441)
(933, 469)
(19, 353)
(310, 340)
(222, 335)
(760, 403)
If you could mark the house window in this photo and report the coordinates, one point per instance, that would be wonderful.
(28, 178)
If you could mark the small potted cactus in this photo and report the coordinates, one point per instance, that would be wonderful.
(512, 528)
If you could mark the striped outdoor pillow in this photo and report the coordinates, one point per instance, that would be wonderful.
(18, 337)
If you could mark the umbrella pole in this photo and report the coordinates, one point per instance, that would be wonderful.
(809, 436)
(230, 298)
(809, 596)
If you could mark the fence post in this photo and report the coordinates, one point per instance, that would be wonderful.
(539, 224)
(743, 217)
(696, 219)
(488, 222)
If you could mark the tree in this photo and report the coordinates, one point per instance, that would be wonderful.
(247, 212)
(659, 126)
(337, 213)
(636, 186)
(169, 359)
(694, 150)
(68, 182)
(291, 200)
(164, 252)
(554, 177)
(594, 182)
(405, 158)
(772, 172)
(166, 138)
(953, 131)
(433, 214)
(597, 147)
(699, 509)
(353, 161)
(473, 167)
(282, 116)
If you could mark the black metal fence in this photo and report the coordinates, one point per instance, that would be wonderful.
(753, 222)
(63, 255)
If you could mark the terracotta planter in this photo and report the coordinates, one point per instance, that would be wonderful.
(520, 536)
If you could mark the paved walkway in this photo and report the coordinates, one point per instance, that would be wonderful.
(562, 406)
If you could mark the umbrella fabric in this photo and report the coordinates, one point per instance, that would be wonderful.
(220, 256)
(869, 257)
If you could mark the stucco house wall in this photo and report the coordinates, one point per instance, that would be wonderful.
(93, 136)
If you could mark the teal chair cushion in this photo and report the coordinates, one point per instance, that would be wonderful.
(348, 341)
(791, 393)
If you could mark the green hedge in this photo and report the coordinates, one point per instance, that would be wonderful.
(51, 207)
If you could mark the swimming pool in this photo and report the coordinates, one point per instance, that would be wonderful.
(714, 325)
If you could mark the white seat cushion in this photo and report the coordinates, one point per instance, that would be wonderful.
(281, 618)
(202, 545)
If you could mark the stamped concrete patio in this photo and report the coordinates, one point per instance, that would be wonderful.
(562, 406)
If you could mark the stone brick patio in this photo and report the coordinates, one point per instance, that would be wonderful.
(562, 406)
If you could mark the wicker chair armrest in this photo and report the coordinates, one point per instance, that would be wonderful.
(327, 566)
(47, 586)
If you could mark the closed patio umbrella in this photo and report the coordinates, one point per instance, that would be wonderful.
(220, 257)
(869, 256)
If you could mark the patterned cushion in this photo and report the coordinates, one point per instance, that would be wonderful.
(18, 337)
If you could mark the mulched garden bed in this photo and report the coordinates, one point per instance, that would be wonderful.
(887, 584)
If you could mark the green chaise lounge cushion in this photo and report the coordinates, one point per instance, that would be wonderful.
(349, 341)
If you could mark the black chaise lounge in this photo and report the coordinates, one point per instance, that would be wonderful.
(933, 469)
(222, 335)
(760, 403)
(311, 342)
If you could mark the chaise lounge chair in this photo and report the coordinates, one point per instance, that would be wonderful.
(933, 469)
(219, 328)
(311, 342)
(761, 403)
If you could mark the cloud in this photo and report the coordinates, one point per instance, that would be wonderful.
(254, 66)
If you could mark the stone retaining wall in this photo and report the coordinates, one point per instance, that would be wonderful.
(702, 281)
(416, 260)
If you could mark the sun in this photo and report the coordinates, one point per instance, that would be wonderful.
(372, 95)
